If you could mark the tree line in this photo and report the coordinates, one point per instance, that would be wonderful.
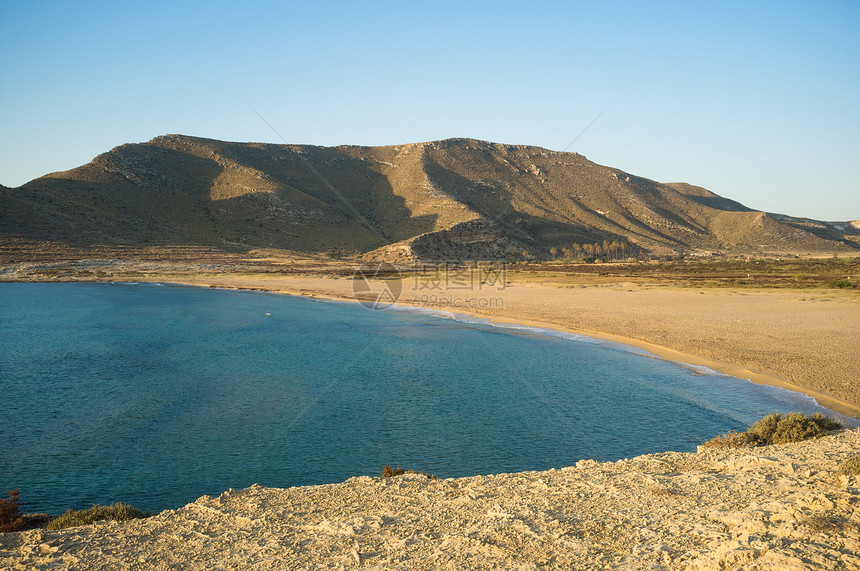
(609, 251)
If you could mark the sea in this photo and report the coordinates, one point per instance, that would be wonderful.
(157, 394)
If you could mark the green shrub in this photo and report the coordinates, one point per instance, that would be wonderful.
(850, 467)
(845, 283)
(793, 427)
(777, 428)
(389, 472)
(10, 513)
(115, 512)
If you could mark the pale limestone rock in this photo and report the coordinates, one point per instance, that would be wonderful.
(778, 507)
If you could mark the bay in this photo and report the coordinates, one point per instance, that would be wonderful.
(157, 394)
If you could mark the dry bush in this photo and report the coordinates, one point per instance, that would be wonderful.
(389, 472)
(661, 491)
(114, 512)
(850, 467)
(730, 439)
(10, 513)
(825, 522)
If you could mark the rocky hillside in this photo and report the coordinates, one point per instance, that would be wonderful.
(457, 198)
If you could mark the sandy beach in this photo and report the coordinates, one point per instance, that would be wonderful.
(801, 340)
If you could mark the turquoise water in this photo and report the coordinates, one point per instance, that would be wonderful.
(156, 395)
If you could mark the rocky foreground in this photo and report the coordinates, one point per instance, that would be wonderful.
(775, 507)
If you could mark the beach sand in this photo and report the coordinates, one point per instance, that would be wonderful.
(801, 340)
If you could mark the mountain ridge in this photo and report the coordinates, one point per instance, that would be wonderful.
(449, 199)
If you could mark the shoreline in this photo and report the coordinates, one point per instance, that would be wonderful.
(782, 506)
(746, 335)
(668, 354)
(673, 355)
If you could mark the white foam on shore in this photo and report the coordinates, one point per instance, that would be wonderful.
(794, 399)
(141, 284)
(516, 327)
(803, 401)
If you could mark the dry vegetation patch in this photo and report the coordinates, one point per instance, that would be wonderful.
(777, 428)
(850, 467)
(113, 512)
(389, 472)
(11, 518)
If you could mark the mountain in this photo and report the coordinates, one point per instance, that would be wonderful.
(451, 199)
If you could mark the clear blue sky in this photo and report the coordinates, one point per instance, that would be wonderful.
(757, 101)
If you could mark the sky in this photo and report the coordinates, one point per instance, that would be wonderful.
(756, 101)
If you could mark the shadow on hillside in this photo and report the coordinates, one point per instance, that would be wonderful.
(719, 203)
(496, 204)
(152, 195)
(325, 199)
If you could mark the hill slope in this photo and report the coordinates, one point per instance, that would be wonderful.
(457, 198)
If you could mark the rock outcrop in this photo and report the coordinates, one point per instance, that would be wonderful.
(777, 507)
